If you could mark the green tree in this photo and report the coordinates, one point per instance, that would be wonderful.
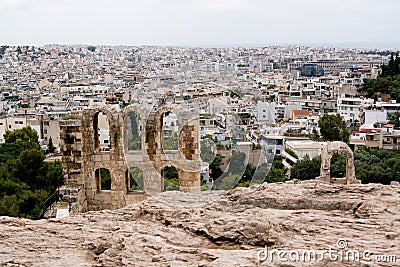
(387, 83)
(25, 180)
(171, 142)
(338, 166)
(394, 118)
(277, 173)
(105, 178)
(396, 67)
(227, 181)
(248, 172)
(9, 152)
(3, 50)
(247, 176)
(50, 147)
(135, 143)
(215, 167)
(26, 137)
(236, 93)
(333, 128)
(306, 169)
(171, 179)
(234, 175)
(9, 206)
(27, 167)
(136, 179)
(391, 65)
(377, 165)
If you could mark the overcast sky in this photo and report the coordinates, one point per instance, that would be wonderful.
(200, 22)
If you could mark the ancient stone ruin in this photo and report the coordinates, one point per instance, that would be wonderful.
(337, 147)
(83, 160)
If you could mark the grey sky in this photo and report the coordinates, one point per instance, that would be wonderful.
(199, 22)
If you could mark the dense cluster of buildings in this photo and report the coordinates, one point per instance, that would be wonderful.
(270, 96)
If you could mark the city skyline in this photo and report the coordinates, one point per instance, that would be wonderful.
(206, 23)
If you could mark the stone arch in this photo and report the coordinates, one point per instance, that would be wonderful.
(98, 133)
(168, 130)
(92, 122)
(153, 156)
(337, 147)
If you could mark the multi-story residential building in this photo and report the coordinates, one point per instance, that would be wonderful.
(390, 107)
(305, 148)
(51, 129)
(350, 107)
(266, 111)
(329, 106)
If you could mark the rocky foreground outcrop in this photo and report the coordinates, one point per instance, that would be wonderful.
(266, 225)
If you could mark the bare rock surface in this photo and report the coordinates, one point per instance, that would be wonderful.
(219, 228)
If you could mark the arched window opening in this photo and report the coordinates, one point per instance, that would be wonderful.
(134, 131)
(338, 166)
(135, 182)
(103, 179)
(101, 128)
(328, 154)
(170, 139)
(171, 178)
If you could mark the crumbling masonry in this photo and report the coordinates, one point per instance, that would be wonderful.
(82, 159)
(337, 147)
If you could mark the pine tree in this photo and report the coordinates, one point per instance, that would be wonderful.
(50, 147)
(391, 65)
(397, 64)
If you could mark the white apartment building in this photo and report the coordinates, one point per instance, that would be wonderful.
(349, 107)
(390, 107)
(266, 111)
(170, 124)
(11, 124)
(218, 105)
(51, 129)
(305, 148)
(375, 115)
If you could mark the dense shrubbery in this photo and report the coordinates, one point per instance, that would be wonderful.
(240, 175)
(377, 165)
(306, 169)
(277, 172)
(387, 83)
(372, 166)
(26, 181)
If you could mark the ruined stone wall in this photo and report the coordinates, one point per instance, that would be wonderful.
(153, 158)
(113, 160)
(82, 157)
(337, 147)
(72, 162)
